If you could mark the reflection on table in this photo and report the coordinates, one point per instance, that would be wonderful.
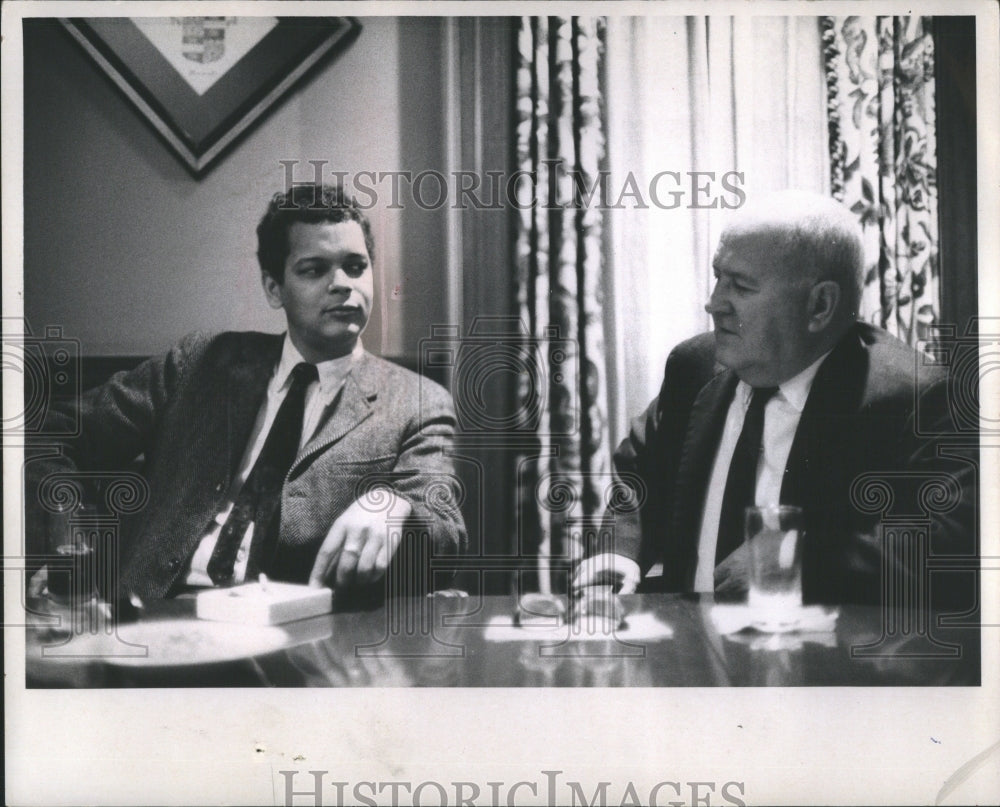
(444, 641)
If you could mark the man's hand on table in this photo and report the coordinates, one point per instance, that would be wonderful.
(358, 547)
(608, 569)
(732, 574)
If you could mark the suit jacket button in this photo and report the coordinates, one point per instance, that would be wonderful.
(173, 565)
(218, 488)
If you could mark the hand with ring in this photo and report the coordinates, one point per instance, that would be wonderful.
(358, 547)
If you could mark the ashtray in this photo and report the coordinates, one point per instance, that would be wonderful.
(599, 608)
(540, 610)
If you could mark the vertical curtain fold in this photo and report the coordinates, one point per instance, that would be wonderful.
(560, 146)
(880, 86)
(692, 100)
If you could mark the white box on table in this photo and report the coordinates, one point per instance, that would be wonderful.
(271, 604)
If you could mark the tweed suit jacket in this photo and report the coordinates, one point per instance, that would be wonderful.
(863, 421)
(190, 414)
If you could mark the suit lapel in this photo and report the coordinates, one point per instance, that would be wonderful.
(349, 410)
(249, 376)
(701, 441)
(835, 392)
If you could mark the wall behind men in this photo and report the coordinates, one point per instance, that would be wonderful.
(127, 251)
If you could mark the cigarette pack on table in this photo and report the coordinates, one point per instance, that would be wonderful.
(270, 604)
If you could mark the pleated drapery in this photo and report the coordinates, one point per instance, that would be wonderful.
(880, 86)
(560, 147)
(707, 98)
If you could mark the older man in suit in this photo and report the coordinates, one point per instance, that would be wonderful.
(831, 399)
(301, 456)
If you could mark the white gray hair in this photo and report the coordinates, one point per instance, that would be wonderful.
(813, 234)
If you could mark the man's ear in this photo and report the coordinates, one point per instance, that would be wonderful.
(272, 290)
(824, 299)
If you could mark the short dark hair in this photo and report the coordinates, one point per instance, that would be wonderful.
(309, 204)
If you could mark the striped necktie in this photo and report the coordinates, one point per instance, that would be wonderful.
(259, 500)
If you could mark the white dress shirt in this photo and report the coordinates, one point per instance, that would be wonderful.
(319, 397)
(781, 419)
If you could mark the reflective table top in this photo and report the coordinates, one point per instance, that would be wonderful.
(664, 640)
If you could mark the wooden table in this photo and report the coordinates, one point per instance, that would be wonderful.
(450, 641)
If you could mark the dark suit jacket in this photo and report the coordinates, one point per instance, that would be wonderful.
(860, 418)
(189, 414)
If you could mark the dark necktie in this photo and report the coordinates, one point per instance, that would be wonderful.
(741, 482)
(259, 500)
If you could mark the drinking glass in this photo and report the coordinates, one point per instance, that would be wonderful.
(774, 543)
(72, 574)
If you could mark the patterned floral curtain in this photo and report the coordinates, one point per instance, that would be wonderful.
(880, 83)
(560, 145)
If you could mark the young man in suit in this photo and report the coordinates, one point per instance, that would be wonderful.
(838, 400)
(300, 455)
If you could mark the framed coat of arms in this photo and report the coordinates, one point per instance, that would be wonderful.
(202, 82)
